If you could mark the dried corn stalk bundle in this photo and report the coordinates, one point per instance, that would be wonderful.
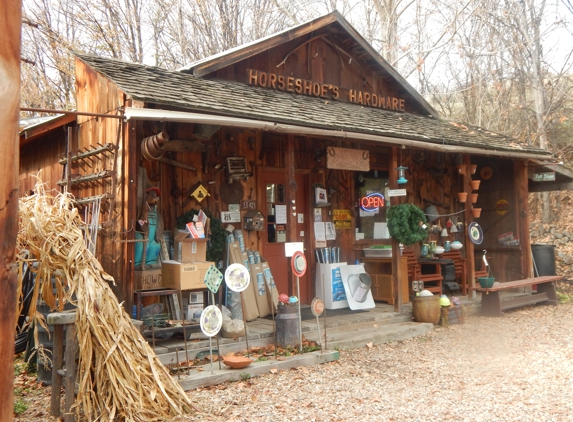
(119, 375)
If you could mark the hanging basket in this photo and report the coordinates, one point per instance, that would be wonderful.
(407, 223)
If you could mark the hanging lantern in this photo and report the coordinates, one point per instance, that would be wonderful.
(401, 175)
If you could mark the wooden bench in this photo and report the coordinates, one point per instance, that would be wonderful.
(493, 305)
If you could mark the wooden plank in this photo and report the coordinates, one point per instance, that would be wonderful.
(520, 283)
(523, 300)
(205, 379)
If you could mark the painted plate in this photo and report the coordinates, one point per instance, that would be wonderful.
(298, 263)
(237, 277)
(475, 233)
(211, 320)
(317, 307)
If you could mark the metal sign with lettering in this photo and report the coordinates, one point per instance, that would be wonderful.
(247, 205)
(544, 177)
(396, 192)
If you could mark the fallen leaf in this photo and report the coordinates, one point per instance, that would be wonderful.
(274, 370)
(369, 345)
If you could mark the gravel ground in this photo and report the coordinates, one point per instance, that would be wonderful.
(515, 368)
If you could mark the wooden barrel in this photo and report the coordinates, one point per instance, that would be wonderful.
(426, 309)
(287, 325)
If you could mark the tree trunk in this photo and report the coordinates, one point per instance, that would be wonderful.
(10, 21)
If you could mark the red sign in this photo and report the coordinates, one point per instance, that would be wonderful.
(372, 202)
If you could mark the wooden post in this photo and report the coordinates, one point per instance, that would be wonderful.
(396, 267)
(522, 217)
(57, 363)
(471, 266)
(291, 196)
(70, 378)
(10, 23)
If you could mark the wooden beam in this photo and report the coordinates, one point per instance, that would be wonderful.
(291, 196)
(10, 22)
(521, 207)
(396, 267)
(469, 246)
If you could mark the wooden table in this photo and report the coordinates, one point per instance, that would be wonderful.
(492, 305)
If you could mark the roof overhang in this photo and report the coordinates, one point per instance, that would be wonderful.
(269, 126)
(41, 126)
(562, 178)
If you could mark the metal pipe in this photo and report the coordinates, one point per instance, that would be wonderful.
(188, 117)
(75, 113)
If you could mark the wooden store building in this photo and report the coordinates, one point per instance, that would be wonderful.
(305, 136)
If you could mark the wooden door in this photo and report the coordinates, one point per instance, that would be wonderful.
(279, 212)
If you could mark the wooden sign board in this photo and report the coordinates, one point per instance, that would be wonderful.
(347, 159)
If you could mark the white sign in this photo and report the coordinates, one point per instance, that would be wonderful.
(230, 217)
(281, 214)
(396, 192)
(292, 247)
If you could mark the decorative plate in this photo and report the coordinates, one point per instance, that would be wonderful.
(486, 173)
(298, 264)
(211, 320)
(213, 278)
(475, 233)
(237, 277)
(317, 307)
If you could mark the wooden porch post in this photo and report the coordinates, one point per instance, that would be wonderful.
(10, 22)
(522, 216)
(396, 267)
(470, 259)
(290, 196)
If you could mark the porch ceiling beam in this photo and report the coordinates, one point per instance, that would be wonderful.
(190, 117)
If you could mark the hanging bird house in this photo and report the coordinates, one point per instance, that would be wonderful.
(200, 193)
(253, 220)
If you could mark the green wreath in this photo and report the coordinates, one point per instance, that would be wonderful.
(407, 223)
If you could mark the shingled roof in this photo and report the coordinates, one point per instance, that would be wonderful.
(162, 87)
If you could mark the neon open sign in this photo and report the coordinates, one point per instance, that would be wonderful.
(372, 202)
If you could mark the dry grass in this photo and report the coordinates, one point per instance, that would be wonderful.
(119, 375)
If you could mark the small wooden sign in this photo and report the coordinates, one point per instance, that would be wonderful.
(347, 159)
(247, 205)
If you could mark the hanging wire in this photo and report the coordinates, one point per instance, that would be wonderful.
(445, 215)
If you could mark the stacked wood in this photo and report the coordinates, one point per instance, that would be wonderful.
(119, 375)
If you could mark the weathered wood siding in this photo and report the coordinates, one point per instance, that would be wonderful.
(96, 94)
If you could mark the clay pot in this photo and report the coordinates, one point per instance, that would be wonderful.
(475, 184)
(237, 362)
(473, 168)
(476, 212)
(461, 168)
(462, 196)
(474, 197)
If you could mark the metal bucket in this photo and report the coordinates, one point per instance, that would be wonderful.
(287, 325)
(426, 309)
(432, 213)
